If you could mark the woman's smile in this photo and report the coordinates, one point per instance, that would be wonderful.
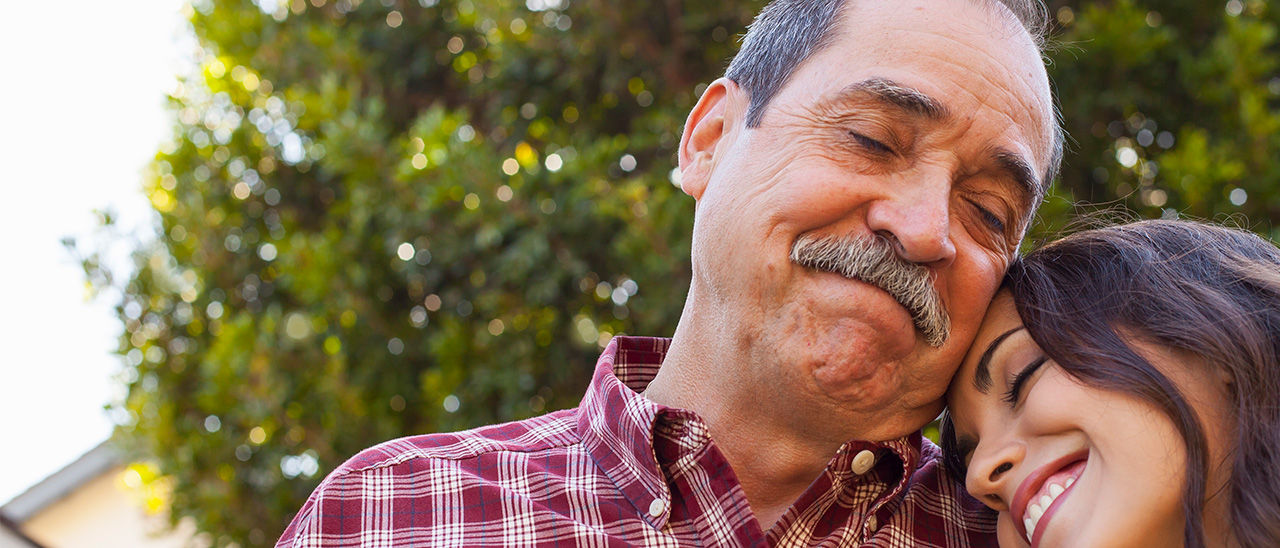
(1042, 492)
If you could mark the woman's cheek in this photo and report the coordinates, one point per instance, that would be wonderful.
(1006, 533)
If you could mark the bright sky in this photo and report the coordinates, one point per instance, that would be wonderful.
(81, 113)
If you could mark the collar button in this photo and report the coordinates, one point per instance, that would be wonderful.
(863, 461)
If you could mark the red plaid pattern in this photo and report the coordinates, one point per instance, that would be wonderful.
(621, 470)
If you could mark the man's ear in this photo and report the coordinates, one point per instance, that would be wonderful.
(708, 122)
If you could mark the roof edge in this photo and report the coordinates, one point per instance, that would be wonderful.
(62, 483)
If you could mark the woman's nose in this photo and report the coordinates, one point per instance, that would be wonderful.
(990, 472)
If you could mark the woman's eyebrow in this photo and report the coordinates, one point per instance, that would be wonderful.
(982, 374)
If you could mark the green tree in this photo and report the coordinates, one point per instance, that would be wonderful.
(388, 217)
(1172, 106)
(382, 218)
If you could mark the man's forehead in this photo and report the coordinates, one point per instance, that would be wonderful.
(978, 43)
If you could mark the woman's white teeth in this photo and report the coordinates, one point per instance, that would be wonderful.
(1036, 509)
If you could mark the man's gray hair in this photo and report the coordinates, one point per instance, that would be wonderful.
(787, 32)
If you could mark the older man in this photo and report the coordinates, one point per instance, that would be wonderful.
(863, 175)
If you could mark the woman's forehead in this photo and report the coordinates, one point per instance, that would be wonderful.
(1001, 316)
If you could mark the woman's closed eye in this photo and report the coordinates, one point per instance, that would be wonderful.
(1019, 381)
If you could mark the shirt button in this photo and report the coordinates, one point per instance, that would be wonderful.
(656, 507)
(872, 523)
(863, 461)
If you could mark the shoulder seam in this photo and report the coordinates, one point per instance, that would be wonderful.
(433, 453)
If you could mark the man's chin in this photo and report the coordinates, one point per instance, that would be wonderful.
(844, 374)
(866, 370)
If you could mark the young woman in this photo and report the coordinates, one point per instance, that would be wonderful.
(1124, 390)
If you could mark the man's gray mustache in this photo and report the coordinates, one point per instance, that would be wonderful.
(872, 259)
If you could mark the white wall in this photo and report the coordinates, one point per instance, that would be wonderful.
(103, 513)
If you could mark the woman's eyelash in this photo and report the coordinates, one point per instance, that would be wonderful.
(1020, 380)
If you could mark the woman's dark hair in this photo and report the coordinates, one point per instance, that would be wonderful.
(1205, 292)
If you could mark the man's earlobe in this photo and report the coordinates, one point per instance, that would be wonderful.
(707, 124)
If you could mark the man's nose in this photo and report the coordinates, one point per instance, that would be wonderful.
(991, 469)
(916, 216)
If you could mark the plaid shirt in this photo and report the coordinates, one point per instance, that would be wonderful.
(621, 470)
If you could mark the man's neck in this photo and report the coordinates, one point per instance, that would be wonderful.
(773, 458)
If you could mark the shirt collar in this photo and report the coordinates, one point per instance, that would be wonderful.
(617, 425)
(616, 422)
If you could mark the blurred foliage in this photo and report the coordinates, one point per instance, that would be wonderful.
(389, 217)
(1173, 107)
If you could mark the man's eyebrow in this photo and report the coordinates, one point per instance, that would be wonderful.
(982, 374)
(892, 93)
(916, 102)
(1018, 169)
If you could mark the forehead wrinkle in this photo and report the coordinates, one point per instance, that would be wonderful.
(1029, 102)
